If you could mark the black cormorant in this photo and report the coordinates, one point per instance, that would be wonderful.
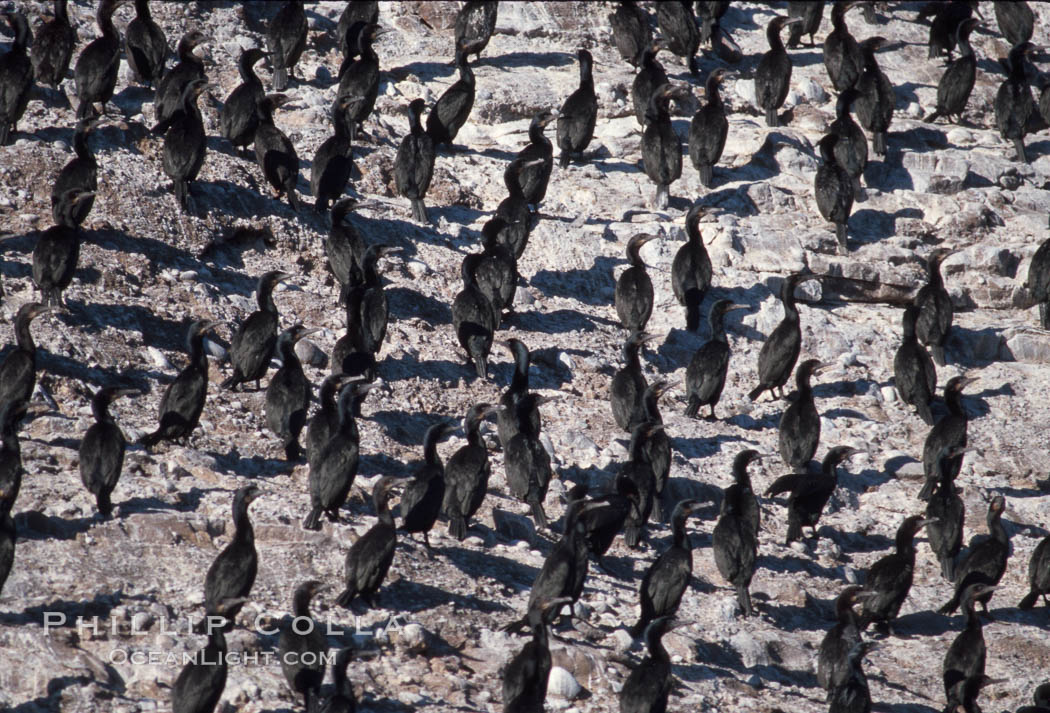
(375, 311)
(333, 161)
(239, 116)
(741, 488)
(842, 55)
(53, 48)
(985, 562)
(232, 573)
(527, 466)
(18, 369)
(914, 374)
(780, 351)
(773, 76)
(359, 78)
(414, 163)
(342, 699)
(661, 146)
(1015, 20)
(634, 290)
(102, 449)
(875, 98)
(889, 579)
(945, 26)
(735, 543)
(363, 11)
(651, 76)
(185, 142)
(657, 448)
(1038, 576)
(57, 250)
(286, 40)
(955, 85)
(705, 376)
(578, 114)
(344, 248)
(288, 393)
(423, 496)
(709, 15)
(1014, 104)
(474, 318)
(639, 470)
(145, 45)
(667, 578)
(963, 667)
(799, 431)
(301, 646)
(539, 155)
(947, 514)
(201, 682)
(95, 72)
(631, 31)
(834, 190)
(649, 684)
(349, 355)
(515, 209)
(183, 400)
(324, 422)
(810, 12)
(467, 474)
(809, 492)
(475, 23)
(934, 322)
(606, 519)
(274, 152)
(950, 432)
(497, 271)
(334, 467)
(80, 173)
(691, 269)
(1038, 281)
(628, 384)
(525, 676)
(678, 25)
(833, 656)
(708, 129)
(853, 696)
(507, 417)
(16, 77)
(252, 346)
(173, 84)
(369, 558)
(11, 470)
(453, 107)
(851, 150)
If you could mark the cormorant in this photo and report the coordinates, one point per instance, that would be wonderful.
(145, 45)
(889, 579)
(333, 161)
(678, 24)
(475, 23)
(11, 470)
(649, 684)
(628, 384)
(539, 155)
(201, 682)
(474, 318)
(239, 117)
(453, 107)
(709, 15)
(634, 289)
(369, 558)
(914, 374)
(16, 77)
(525, 677)
(842, 56)
(851, 150)
(963, 667)
(661, 147)
(934, 322)
(651, 76)
(773, 76)
(640, 471)
(1038, 282)
(185, 142)
(334, 467)
(735, 543)
(232, 573)
(1014, 104)
(172, 86)
(497, 271)
(1041, 698)
(799, 431)
(349, 356)
(467, 474)
(834, 188)
(80, 174)
(8, 537)
(945, 26)
(853, 696)
(657, 449)
(811, 13)
(691, 269)
(578, 114)
(423, 496)
(286, 40)
(706, 374)
(359, 78)
(102, 449)
(631, 31)
(324, 422)
(708, 129)
(507, 416)
(955, 85)
(667, 578)
(515, 208)
(57, 250)
(833, 657)
(344, 248)
(363, 11)
(742, 491)
(950, 432)
(875, 98)
(342, 699)
(606, 519)
(288, 393)
(1038, 576)
(947, 513)
(274, 152)
(1015, 20)
(527, 466)
(18, 369)
(414, 163)
(780, 351)
(300, 652)
(252, 346)
(53, 48)
(809, 493)
(375, 311)
(95, 72)
(985, 562)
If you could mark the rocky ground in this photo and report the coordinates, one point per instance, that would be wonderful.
(146, 270)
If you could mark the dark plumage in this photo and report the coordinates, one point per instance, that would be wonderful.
(705, 376)
(934, 322)
(11, 470)
(538, 162)
(301, 645)
(80, 174)
(350, 355)
(232, 573)
(985, 562)
(809, 493)
(631, 31)
(507, 417)
(286, 40)
(875, 98)
(606, 518)
(344, 248)
(708, 130)
(239, 116)
(375, 310)
(628, 384)
(842, 55)
(497, 271)
(634, 290)
(252, 346)
(57, 251)
(657, 448)
(578, 114)
(288, 393)
(452, 108)
(145, 45)
(1015, 20)
(274, 152)
(171, 87)
(834, 190)
(102, 449)
(691, 269)
(467, 474)
(526, 674)
(741, 490)
(324, 422)
(851, 150)
(914, 374)
(661, 146)
(342, 699)
(1014, 105)
(963, 666)
(947, 514)
(651, 76)
(1038, 281)
(8, 537)
(421, 502)
(334, 465)
(799, 432)
(889, 579)
(18, 369)
(853, 696)
(414, 163)
(945, 26)
(1038, 576)
(950, 432)
(735, 542)
(956, 84)
(53, 48)
(667, 578)
(773, 76)
(359, 78)
(780, 351)
(833, 656)
(475, 23)
(811, 13)
(649, 684)
(369, 558)
(333, 161)
(363, 11)
(16, 77)
(95, 72)
(474, 318)
(201, 682)
(526, 463)
(515, 210)
(678, 24)
(639, 470)
(185, 142)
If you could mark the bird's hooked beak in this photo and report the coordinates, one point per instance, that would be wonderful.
(928, 521)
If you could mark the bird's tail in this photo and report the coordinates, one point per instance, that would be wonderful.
(937, 352)
(952, 604)
(5, 132)
(538, 515)
(457, 527)
(840, 235)
(1029, 600)
(1021, 155)
(1044, 314)
(878, 143)
(563, 161)
(743, 597)
(794, 531)
(692, 409)
(693, 298)
(280, 79)
(927, 489)
(756, 392)
(694, 69)
(948, 568)
(293, 199)
(419, 210)
(232, 380)
(771, 116)
(933, 117)
(346, 597)
(321, 205)
(707, 174)
(632, 535)
(181, 194)
(663, 196)
(313, 519)
(102, 501)
(923, 409)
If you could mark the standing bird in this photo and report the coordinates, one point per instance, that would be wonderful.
(834, 190)
(18, 369)
(741, 489)
(875, 98)
(414, 163)
(324, 422)
(657, 450)
(172, 85)
(423, 496)
(95, 72)
(538, 162)
(945, 25)
(842, 55)
(8, 537)
(691, 269)
(631, 31)
(81, 174)
(185, 142)
(183, 400)
(288, 393)
(947, 514)
(811, 12)
(232, 573)
(342, 699)
(634, 290)
(467, 474)
(735, 543)
(778, 355)
(773, 76)
(452, 108)
(363, 11)
(301, 652)
(1038, 281)
(252, 346)
(239, 116)
(16, 77)
(1015, 20)
(628, 384)
(334, 466)
(274, 152)
(497, 271)
(651, 76)
(475, 23)
(851, 150)
(526, 675)
(678, 24)
(1038, 576)
(661, 146)
(515, 210)
(145, 45)
(474, 318)
(286, 40)
(375, 310)
(1014, 104)
(667, 578)
(708, 129)
(639, 470)
(963, 666)
(53, 48)
(810, 493)
(102, 449)
(11, 470)
(934, 322)
(956, 84)
(507, 416)
(369, 558)
(605, 519)
(950, 432)
(333, 161)
(344, 248)
(833, 657)
(359, 78)
(889, 579)
(853, 696)
(985, 563)
(914, 374)
(526, 463)
(57, 251)
(705, 376)
(201, 681)
(578, 114)
(799, 431)
(649, 684)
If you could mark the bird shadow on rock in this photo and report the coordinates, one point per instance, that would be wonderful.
(976, 404)
(406, 428)
(703, 447)
(750, 423)
(188, 501)
(157, 252)
(58, 684)
(904, 708)
(35, 525)
(970, 348)
(845, 413)
(588, 286)
(130, 100)
(406, 303)
(422, 71)
(96, 317)
(869, 226)
(725, 661)
(445, 371)
(61, 365)
(372, 464)
(920, 139)
(233, 463)
(805, 58)
(101, 605)
(925, 623)
(789, 617)
(559, 321)
(793, 564)
(477, 565)
(408, 596)
(843, 387)
(528, 60)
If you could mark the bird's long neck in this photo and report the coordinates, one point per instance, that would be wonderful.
(265, 299)
(246, 68)
(634, 256)
(955, 404)
(347, 422)
(963, 41)
(100, 410)
(519, 383)
(681, 537)
(105, 21)
(186, 53)
(790, 307)
(654, 641)
(474, 434)
(369, 270)
(198, 357)
(301, 603)
(933, 274)
(718, 328)
(80, 146)
(62, 14)
(536, 133)
(741, 476)
(630, 356)
(415, 123)
(430, 452)
(384, 514)
(141, 10)
(243, 530)
(23, 337)
(512, 180)
(803, 385)
(905, 542)
(289, 359)
(586, 74)
(995, 526)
